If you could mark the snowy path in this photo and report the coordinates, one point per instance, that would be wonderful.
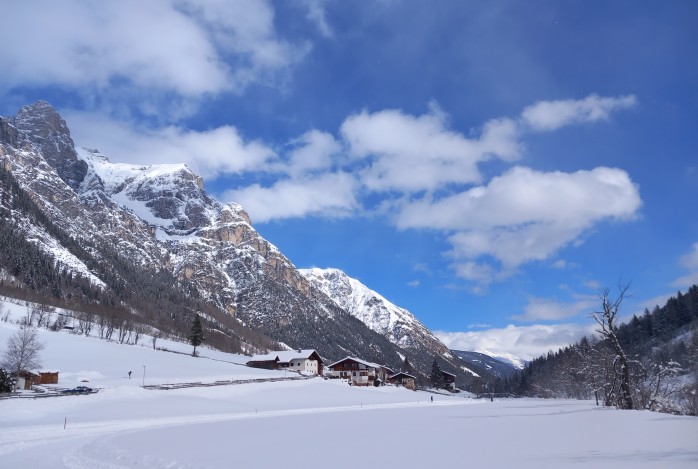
(22, 438)
(465, 432)
(74, 444)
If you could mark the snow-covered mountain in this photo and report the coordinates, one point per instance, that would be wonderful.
(399, 325)
(159, 217)
(486, 365)
(508, 358)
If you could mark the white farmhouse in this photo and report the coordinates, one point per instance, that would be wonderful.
(305, 361)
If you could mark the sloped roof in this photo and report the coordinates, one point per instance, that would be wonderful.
(403, 374)
(357, 360)
(285, 356)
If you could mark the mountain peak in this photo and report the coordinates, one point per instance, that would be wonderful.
(41, 124)
(397, 324)
(40, 115)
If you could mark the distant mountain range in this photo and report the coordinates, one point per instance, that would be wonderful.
(486, 365)
(149, 240)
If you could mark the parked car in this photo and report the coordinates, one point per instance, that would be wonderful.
(78, 390)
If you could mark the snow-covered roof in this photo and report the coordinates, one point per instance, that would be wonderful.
(447, 373)
(284, 356)
(402, 373)
(357, 360)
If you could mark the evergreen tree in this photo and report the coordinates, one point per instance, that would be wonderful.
(407, 366)
(5, 381)
(197, 333)
(437, 378)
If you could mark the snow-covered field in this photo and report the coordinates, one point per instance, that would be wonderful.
(308, 423)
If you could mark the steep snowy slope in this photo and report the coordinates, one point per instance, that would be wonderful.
(397, 324)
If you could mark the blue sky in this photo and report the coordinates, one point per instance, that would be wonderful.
(487, 165)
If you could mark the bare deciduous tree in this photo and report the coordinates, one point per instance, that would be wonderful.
(606, 319)
(28, 319)
(23, 349)
(102, 325)
(138, 330)
(43, 314)
(156, 336)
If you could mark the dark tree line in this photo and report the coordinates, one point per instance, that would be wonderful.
(660, 348)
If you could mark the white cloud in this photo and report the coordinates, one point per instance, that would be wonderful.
(551, 115)
(416, 169)
(479, 326)
(209, 153)
(312, 152)
(523, 215)
(522, 196)
(479, 273)
(548, 309)
(686, 281)
(520, 216)
(316, 14)
(330, 195)
(527, 342)
(688, 261)
(152, 50)
(412, 154)
(246, 29)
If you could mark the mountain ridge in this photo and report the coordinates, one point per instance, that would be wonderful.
(399, 325)
(160, 216)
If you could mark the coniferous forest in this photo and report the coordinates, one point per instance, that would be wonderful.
(662, 350)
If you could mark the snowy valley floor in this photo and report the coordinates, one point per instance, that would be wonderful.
(328, 424)
(302, 424)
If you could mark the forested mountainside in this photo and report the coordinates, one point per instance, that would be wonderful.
(486, 366)
(662, 350)
(146, 244)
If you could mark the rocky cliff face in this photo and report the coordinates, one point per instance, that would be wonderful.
(160, 216)
(46, 129)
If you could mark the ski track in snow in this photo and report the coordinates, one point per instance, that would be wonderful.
(24, 438)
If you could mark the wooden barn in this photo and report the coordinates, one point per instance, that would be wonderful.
(47, 377)
(403, 379)
(25, 379)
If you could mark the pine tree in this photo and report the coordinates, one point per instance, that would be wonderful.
(5, 381)
(407, 366)
(197, 333)
(437, 378)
